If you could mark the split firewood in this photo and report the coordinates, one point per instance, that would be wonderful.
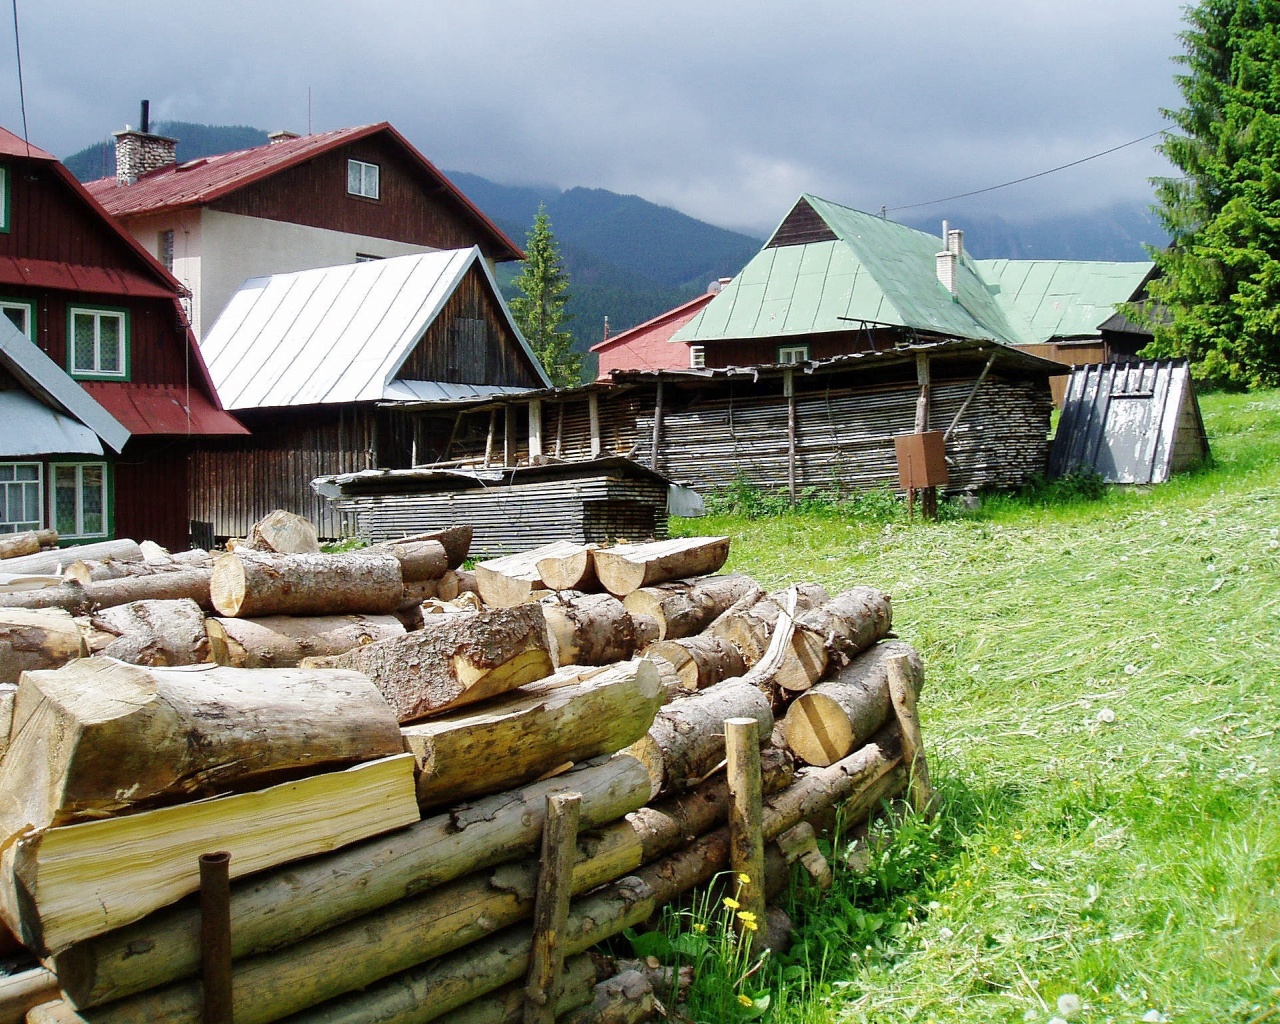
(284, 533)
(749, 624)
(282, 641)
(156, 633)
(37, 638)
(282, 908)
(686, 740)
(99, 737)
(699, 661)
(574, 715)
(571, 570)
(25, 990)
(627, 568)
(55, 560)
(685, 607)
(456, 582)
(456, 541)
(28, 542)
(589, 629)
(78, 881)
(508, 581)
(459, 660)
(250, 584)
(829, 721)
(153, 552)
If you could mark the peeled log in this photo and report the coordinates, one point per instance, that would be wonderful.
(628, 567)
(100, 737)
(699, 661)
(282, 641)
(686, 740)
(285, 533)
(826, 723)
(280, 908)
(458, 660)
(55, 560)
(248, 584)
(573, 716)
(28, 542)
(590, 629)
(508, 581)
(156, 633)
(36, 639)
(685, 607)
(573, 570)
(749, 625)
(456, 541)
(20, 992)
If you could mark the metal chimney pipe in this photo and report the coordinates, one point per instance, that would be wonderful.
(145, 118)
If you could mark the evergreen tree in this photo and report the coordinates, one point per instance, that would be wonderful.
(1220, 276)
(539, 310)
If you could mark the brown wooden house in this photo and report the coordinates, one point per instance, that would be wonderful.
(88, 296)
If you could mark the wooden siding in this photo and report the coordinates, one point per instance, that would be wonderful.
(151, 482)
(801, 226)
(470, 342)
(753, 352)
(410, 208)
(1075, 354)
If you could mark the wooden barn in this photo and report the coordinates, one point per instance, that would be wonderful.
(89, 297)
(320, 365)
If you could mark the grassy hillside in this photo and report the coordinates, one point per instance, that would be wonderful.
(1101, 713)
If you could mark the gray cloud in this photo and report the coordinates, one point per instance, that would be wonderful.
(726, 111)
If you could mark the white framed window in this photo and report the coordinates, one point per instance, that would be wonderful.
(21, 487)
(362, 179)
(697, 356)
(793, 353)
(22, 314)
(98, 343)
(78, 493)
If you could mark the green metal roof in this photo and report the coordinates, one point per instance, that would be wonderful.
(885, 274)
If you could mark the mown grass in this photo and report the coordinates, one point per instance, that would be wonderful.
(1100, 713)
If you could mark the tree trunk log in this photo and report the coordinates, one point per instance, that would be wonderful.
(284, 533)
(834, 718)
(686, 607)
(699, 661)
(572, 716)
(98, 737)
(572, 570)
(506, 1004)
(54, 561)
(456, 582)
(508, 581)
(420, 560)
(282, 908)
(626, 998)
(7, 693)
(28, 542)
(155, 633)
(628, 567)
(173, 585)
(36, 639)
(590, 629)
(456, 541)
(749, 625)
(849, 623)
(686, 740)
(20, 992)
(250, 584)
(282, 641)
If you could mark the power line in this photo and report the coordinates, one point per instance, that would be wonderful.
(1029, 177)
(22, 96)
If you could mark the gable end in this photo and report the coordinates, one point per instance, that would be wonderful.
(800, 227)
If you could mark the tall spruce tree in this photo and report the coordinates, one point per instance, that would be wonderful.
(539, 309)
(1220, 276)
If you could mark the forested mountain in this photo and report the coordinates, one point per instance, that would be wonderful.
(194, 141)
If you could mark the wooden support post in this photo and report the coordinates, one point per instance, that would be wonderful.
(657, 427)
(746, 816)
(902, 694)
(453, 436)
(215, 937)
(551, 907)
(535, 429)
(922, 401)
(789, 390)
(593, 411)
(508, 436)
(559, 427)
(493, 430)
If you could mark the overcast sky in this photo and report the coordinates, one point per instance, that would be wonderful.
(725, 111)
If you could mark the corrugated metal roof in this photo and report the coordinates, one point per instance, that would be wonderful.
(443, 391)
(49, 383)
(1064, 298)
(338, 334)
(13, 145)
(163, 409)
(35, 429)
(75, 277)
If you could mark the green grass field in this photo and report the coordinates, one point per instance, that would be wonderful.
(1101, 713)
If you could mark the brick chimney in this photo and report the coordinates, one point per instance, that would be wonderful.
(948, 260)
(282, 135)
(139, 152)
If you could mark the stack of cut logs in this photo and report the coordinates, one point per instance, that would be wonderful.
(373, 737)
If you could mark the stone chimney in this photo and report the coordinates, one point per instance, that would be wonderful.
(140, 152)
(282, 136)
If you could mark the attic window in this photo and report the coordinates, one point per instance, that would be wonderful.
(22, 314)
(793, 353)
(362, 179)
(697, 356)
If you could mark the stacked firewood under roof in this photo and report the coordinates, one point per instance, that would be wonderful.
(374, 736)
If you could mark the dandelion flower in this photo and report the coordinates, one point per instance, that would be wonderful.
(746, 915)
(744, 878)
(700, 928)
(731, 903)
(750, 926)
(744, 1000)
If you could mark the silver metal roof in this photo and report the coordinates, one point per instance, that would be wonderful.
(337, 334)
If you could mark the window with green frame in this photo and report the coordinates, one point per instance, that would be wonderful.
(6, 201)
(98, 343)
(80, 497)
(22, 314)
(21, 489)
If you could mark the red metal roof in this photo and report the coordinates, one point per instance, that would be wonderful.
(648, 346)
(12, 145)
(162, 409)
(79, 278)
(202, 181)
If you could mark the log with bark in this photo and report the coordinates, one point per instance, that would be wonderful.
(458, 660)
(456, 582)
(251, 584)
(456, 541)
(511, 580)
(628, 567)
(749, 624)
(282, 641)
(588, 629)
(826, 723)
(155, 633)
(505, 1005)
(281, 908)
(569, 570)
(285, 533)
(69, 595)
(54, 561)
(850, 622)
(420, 560)
(63, 885)
(686, 607)
(626, 998)
(572, 716)
(28, 542)
(36, 639)
(699, 661)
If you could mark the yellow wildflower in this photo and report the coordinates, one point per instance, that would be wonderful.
(746, 915)
(744, 1000)
(744, 878)
(731, 903)
(699, 927)
(750, 926)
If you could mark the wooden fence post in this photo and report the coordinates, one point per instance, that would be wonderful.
(551, 907)
(903, 695)
(746, 816)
